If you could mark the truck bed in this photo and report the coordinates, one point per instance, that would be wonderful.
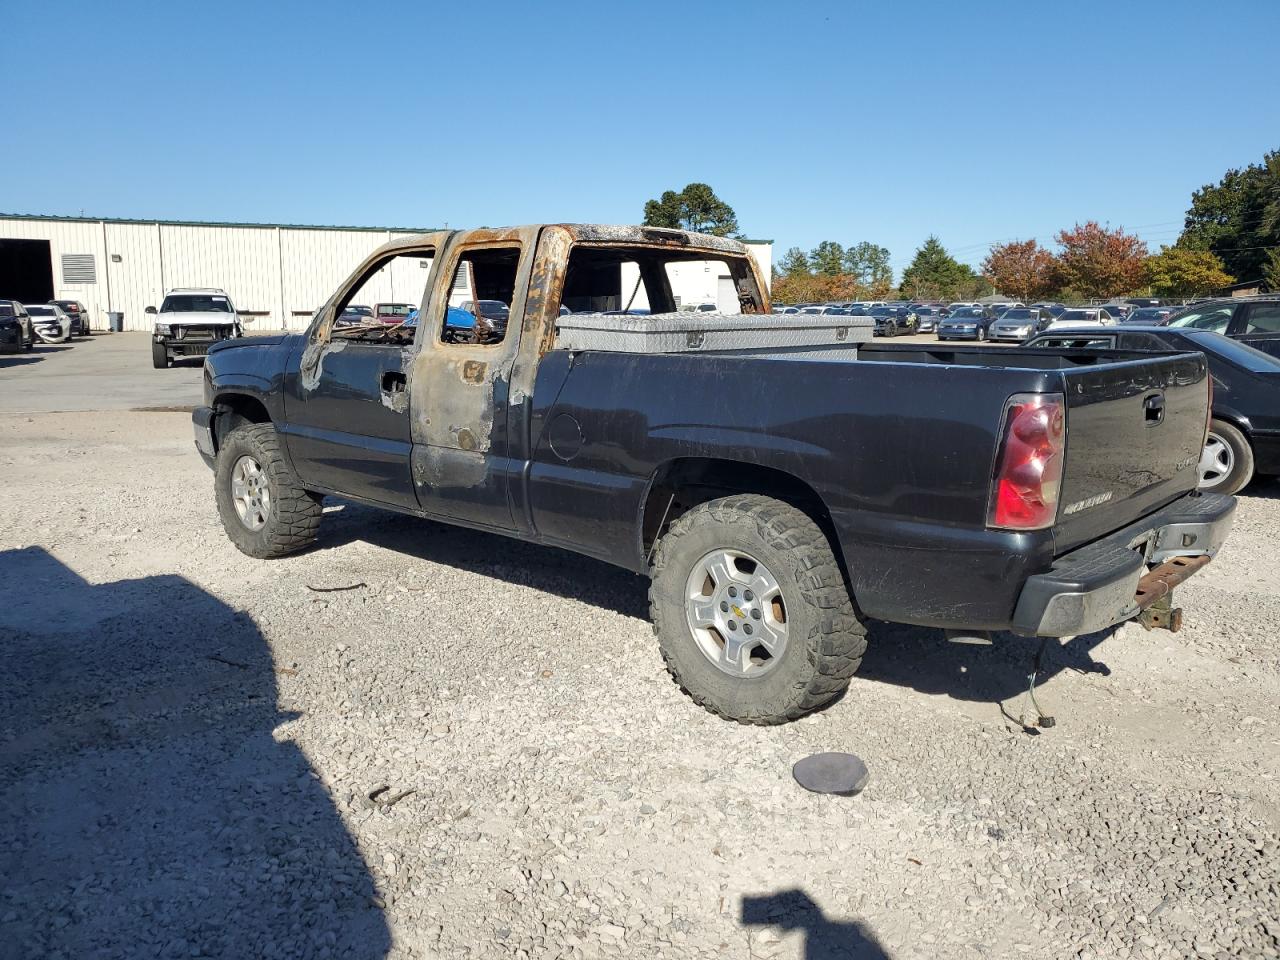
(897, 442)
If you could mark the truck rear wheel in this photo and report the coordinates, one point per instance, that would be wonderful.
(263, 509)
(159, 355)
(751, 611)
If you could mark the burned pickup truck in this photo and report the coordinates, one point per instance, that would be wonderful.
(779, 479)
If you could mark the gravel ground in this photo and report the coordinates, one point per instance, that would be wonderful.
(191, 740)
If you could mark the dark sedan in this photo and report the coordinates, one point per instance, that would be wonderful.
(1253, 320)
(491, 319)
(891, 321)
(354, 315)
(928, 316)
(1157, 316)
(1244, 434)
(16, 329)
(78, 314)
(967, 323)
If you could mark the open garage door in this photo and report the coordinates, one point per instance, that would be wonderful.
(26, 271)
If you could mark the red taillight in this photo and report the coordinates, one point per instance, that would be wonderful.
(1024, 491)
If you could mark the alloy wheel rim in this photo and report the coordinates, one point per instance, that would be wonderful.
(1216, 460)
(250, 492)
(736, 613)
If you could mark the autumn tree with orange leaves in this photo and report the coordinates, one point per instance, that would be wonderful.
(1021, 268)
(1098, 262)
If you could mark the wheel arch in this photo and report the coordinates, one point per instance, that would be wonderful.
(682, 483)
(1235, 418)
(231, 409)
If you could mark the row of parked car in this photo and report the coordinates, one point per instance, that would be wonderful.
(23, 324)
(972, 320)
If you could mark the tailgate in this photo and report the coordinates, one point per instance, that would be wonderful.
(1135, 429)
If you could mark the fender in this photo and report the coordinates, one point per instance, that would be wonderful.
(1233, 417)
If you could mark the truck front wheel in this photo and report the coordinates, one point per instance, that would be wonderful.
(751, 611)
(263, 509)
(159, 355)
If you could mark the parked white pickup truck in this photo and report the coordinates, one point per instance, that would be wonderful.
(190, 320)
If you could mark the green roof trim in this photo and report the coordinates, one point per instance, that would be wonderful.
(220, 223)
(209, 223)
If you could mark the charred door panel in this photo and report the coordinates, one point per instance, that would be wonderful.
(347, 396)
(462, 459)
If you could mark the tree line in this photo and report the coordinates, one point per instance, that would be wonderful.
(1092, 262)
(1231, 233)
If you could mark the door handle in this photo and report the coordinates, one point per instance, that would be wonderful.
(1154, 409)
(393, 382)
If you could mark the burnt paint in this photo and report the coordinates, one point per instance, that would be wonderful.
(461, 403)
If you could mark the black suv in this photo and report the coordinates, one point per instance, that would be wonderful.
(1251, 320)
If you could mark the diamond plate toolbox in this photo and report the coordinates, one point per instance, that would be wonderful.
(687, 332)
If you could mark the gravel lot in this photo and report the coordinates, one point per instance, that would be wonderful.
(191, 739)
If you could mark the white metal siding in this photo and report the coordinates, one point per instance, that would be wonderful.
(316, 261)
(286, 272)
(135, 280)
(240, 260)
(67, 237)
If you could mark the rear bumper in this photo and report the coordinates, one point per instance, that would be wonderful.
(1094, 587)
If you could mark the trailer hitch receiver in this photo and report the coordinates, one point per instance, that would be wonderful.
(1154, 595)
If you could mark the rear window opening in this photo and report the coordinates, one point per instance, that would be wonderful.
(480, 297)
(604, 279)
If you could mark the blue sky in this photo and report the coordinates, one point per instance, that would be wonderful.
(848, 121)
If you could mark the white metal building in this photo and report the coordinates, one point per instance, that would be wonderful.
(275, 274)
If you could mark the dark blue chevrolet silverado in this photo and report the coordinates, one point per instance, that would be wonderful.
(776, 499)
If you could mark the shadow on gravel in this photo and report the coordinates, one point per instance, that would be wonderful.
(149, 810)
(824, 938)
(549, 569)
(18, 359)
(922, 659)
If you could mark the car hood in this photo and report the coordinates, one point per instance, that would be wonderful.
(1082, 324)
(197, 318)
(239, 343)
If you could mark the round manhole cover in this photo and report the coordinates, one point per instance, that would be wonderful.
(841, 774)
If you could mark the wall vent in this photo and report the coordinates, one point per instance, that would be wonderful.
(78, 268)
